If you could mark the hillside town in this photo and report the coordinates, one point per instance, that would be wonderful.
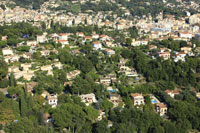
(99, 71)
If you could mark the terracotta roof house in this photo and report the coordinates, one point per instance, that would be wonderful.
(137, 99)
(172, 93)
(161, 109)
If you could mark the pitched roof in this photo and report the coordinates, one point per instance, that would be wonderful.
(172, 91)
(102, 36)
(135, 94)
(95, 43)
(161, 105)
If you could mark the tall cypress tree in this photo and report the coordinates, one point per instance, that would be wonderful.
(23, 106)
(12, 81)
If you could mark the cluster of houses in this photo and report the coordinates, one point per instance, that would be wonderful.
(46, 15)
(166, 54)
(107, 79)
(26, 71)
(98, 42)
(162, 29)
(160, 108)
(137, 99)
(169, 27)
(11, 56)
(129, 72)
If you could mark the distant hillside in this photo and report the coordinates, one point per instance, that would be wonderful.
(35, 4)
(139, 8)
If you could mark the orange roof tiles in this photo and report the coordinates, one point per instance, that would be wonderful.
(161, 105)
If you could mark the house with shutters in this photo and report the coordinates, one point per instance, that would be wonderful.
(161, 109)
(52, 100)
(137, 99)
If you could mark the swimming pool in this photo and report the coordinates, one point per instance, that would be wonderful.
(112, 90)
(153, 101)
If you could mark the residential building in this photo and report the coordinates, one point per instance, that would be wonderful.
(101, 115)
(137, 99)
(27, 75)
(164, 55)
(7, 51)
(13, 69)
(115, 99)
(95, 36)
(88, 38)
(45, 52)
(58, 65)
(88, 98)
(120, 26)
(26, 66)
(131, 73)
(172, 93)
(73, 74)
(105, 80)
(198, 95)
(52, 100)
(103, 37)
(63, 36)
(45, 94)
(31, 43)
(161, 109)
(180, 56)
(11, 58)
(186, 49)
(124, 68)
(97, 45)
(63, 42)
(41, 38)
(185, 35)
(4, 38)
(46, 68)
(151, 47)
(194, 19)
(108, 79)
(80, 34)
(109, 52)
(110, 44)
